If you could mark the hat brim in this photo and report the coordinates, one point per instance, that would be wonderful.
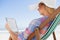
(35, 5)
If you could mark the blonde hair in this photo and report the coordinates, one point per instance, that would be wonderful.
(50, 10)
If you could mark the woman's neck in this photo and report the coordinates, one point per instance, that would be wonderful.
(47, 13)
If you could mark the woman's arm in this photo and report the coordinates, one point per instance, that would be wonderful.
(32, 26)
(12, 34)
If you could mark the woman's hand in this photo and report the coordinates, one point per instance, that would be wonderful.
(7, 27)
(12, 34)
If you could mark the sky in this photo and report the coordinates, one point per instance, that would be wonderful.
(19, 10)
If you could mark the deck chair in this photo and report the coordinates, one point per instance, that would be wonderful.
(50, 29)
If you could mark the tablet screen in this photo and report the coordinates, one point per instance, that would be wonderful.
(12, 24)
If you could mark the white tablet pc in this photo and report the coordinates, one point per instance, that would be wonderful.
(12, 24)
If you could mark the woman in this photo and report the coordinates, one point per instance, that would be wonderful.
(43, 10)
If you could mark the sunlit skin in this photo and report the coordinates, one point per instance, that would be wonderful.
(43, 11)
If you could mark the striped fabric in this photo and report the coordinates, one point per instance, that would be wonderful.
(32, 26)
